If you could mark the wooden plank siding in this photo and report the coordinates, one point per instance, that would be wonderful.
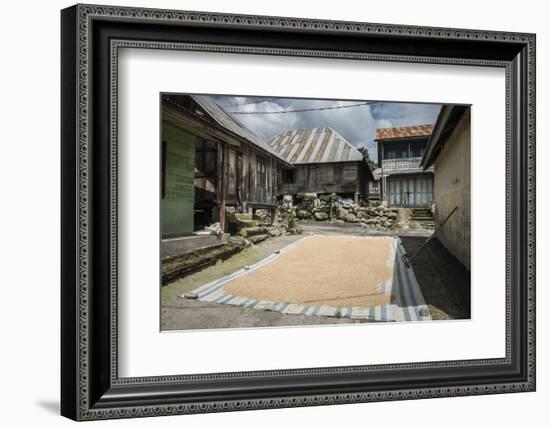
(343, 178)
(258, 179)
(228, 170)
(238, 167)
(324, 162)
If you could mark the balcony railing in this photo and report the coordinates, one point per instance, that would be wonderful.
(403, 165)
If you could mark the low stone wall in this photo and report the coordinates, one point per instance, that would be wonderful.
(180, 266)
(331, 207)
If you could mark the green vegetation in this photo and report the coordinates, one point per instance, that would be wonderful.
(363, 150)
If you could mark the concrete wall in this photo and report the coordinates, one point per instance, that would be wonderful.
(452, 188)
(182, 245)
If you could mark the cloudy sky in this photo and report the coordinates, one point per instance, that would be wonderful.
(356, 124)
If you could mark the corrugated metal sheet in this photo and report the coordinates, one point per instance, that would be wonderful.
(403, 132)
(226, 120)
(318, 145)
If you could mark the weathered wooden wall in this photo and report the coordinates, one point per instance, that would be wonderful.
(223, 169)
(341, 178)
(241, 176)
(257, 177)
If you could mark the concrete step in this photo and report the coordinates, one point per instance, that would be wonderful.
(243, 216)
(257, 230)
(248, 223)
(274, 231)
(255, 239)
(421, 214)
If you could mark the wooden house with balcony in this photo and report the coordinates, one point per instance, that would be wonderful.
(404, 182)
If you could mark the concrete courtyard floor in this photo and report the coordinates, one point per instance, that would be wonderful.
(442, 279)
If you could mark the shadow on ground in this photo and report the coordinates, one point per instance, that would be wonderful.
(444, 281)
(52, 407)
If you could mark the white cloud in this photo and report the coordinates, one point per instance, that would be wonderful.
(357, 124)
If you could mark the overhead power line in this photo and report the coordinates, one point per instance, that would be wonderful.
(243, 105)
(298, 110)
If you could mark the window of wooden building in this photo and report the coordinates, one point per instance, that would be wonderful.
(338, 170)
(288, 176)
(404, 149)
(417, 148)
(261, 182)
(232, 175)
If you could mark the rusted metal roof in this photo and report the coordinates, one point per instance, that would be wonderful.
(403, 132)
(227, 121)
(317, 145)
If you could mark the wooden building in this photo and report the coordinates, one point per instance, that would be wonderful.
(375, 185)
(404, 182)
(210, 161)
(324, 162)
(449, 150)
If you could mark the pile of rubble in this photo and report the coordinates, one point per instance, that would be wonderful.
(379, 216)
(319, 208)
(332, 207)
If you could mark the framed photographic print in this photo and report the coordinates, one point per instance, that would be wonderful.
(263, 212)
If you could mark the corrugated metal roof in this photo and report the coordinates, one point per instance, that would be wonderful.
(226, 120)
(403, 132)
(317, 145)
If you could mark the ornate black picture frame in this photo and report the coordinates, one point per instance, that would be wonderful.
(91, 36)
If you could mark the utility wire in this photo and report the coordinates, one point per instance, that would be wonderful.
(246, 104)
(262, 100)
(298, 110)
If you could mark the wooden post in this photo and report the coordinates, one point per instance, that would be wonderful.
(223, 187)
(359, 178)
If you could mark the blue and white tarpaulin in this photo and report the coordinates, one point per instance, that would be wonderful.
(407, 302)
